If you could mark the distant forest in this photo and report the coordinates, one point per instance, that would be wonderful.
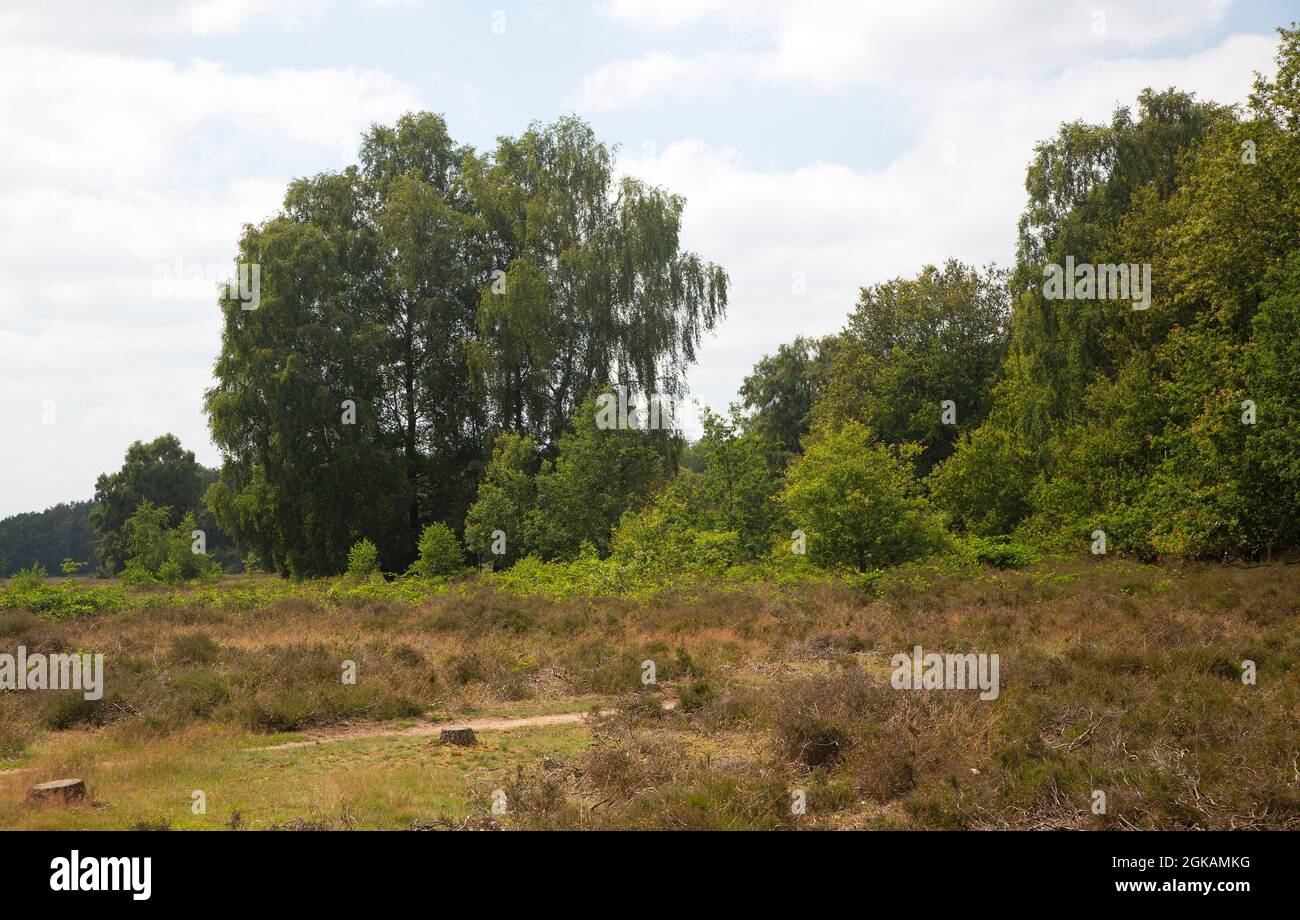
(159, 476)
(47, 538)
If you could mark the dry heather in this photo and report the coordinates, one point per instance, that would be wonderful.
(1114, 677)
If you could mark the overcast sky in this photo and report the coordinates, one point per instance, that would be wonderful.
(847, 141)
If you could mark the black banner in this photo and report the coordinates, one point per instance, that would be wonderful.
(146, 870)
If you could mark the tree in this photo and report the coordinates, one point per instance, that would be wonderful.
(1082, 184)
(595, 286)
(160, 472)
(1097, 194)
(596, 476)
(918, 359)
(340, 403)
(47, 537)
(857, 500)
(1272, 378)
(737, 489)
(440, 552)
(985, 486)
(494, 527)
(414, 303)
(363, 562)
(781, 391)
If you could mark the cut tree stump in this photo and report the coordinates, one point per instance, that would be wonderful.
(464, 737)
(59, 790)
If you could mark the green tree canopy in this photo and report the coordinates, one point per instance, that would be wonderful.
(913, 344)
(161, 472)
(47, 537)
(858, 501)
(505, 496)
(781, 391)
(596, 288)
(598, 474)
(414, 303)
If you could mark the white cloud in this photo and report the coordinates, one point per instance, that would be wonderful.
(956, 192)
(654, 79)
(839, 43)
(89, 22)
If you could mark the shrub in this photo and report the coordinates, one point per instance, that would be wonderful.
(857, 501)
(363, 561)
(597, 474)
(985, 486)
(504, 497)
(195, 648)
(440, 552)
(162, 553)
(26, 579)
(699, 694)
(661, 539)
(1000, 552)
(466, 669)
(69, 710)
(813, 719)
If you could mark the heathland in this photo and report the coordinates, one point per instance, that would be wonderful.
(225, 704)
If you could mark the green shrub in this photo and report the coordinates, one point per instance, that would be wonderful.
(363, 561)
(504, 497)
(858, 501)
(69, 710)
(440, 552)
(697, 695)
(662, 540)
(985, 486)
(199, 695)
(598, 473)
(162, 553)
(26, 579)
(1000, 552)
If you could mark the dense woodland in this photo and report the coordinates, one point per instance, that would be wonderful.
(46, 538)
(436, 324)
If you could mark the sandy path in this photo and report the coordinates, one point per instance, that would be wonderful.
(388, 730)
(486, 724)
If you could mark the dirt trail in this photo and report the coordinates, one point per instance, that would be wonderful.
(486, 724)
(389, 730)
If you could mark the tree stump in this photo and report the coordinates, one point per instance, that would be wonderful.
(60, 790)
(462, 737)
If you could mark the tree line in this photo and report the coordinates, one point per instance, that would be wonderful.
(419, 381)
(1173, 430)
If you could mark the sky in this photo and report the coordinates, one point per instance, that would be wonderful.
(821, 145)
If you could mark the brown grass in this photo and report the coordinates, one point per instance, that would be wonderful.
(1114, 677)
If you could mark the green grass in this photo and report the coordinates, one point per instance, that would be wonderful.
(377, 783)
